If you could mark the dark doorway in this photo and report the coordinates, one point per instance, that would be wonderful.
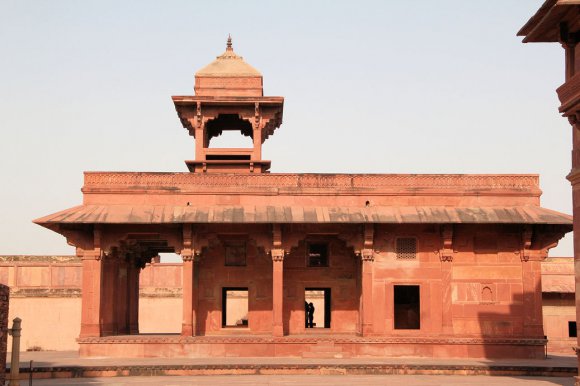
(407, 307)
(321, 300)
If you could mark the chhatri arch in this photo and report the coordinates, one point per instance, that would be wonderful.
(421, 265)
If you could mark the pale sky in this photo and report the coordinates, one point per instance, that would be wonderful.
(370, 87)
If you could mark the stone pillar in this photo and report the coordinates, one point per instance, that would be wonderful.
(277, 292)
(109, 295)
(133, 272)
(188, 327)
(91, 293)
(122, 294)
(574, 178)
(366, 309)
(531, 280)
(446, 302)
(446, 257)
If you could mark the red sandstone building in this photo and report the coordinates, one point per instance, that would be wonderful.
(399, 265)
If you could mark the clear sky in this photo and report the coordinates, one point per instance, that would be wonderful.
(370, 86)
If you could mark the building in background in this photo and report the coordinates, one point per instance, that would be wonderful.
(398, 265)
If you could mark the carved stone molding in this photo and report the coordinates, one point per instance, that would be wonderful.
(335, 181)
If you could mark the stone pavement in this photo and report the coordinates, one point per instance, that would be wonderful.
(70, 369)
(306, 380)
(71, 358)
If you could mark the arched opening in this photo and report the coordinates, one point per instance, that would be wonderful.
(224, 132)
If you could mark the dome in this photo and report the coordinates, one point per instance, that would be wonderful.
(228, 64)
(228, 76)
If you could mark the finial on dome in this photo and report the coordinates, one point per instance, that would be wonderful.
(229, 45)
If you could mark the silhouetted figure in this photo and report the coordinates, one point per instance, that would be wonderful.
(310, 315)
(305, 314)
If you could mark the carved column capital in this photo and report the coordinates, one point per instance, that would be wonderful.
(367, 254)
(189, 256)
(277, 254)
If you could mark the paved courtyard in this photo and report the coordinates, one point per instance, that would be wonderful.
(306, 380)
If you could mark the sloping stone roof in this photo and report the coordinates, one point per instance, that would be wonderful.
(170, 214)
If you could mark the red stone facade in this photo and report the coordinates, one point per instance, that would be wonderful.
(558, 21)
(407, 265)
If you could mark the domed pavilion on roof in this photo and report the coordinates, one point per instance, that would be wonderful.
(274, 264)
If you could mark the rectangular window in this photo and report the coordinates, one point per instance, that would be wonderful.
(407, 307)
(406, 248)
(234, 307)
(572, 332)
(235, 251)
(317, 254)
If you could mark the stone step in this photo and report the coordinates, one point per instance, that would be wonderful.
(326, 355)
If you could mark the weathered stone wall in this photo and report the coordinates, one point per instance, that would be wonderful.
(46, 294)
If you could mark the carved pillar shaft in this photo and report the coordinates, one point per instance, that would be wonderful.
(91, 293)
(446, 257)
(188, 327)
(109, 298)
(277, 292)
(366, 309)
(133, 272)
(122, 294)
(446, 300)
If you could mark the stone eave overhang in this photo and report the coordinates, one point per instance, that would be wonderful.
(544, 26)
(228, 214)
(233, 100)
(191, 109)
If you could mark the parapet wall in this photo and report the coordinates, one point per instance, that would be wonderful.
(320, 189)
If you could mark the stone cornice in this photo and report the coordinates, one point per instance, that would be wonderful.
(40, 259)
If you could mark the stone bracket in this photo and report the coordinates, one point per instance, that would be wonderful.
(526, 243)
(367, 253)
(446, 252)
(277, 251)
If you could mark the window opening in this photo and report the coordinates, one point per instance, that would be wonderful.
(406, 248)
(235, 253)
(572, 332)
(234, 307)
(317, 308)
(317, 254)
(407, 307)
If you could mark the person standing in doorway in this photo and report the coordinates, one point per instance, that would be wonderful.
(306, 314)
(310, 315)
